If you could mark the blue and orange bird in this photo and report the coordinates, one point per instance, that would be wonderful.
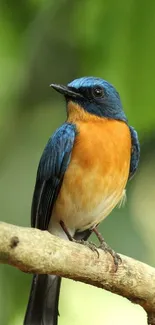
(81, 177)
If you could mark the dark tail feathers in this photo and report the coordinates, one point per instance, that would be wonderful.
(42, 308)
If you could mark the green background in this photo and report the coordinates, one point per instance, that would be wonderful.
(56, 41)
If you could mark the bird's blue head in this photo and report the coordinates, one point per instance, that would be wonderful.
(95, 95)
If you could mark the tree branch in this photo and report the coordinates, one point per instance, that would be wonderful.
(36, 251)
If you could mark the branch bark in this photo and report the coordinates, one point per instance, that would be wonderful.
(35, 251)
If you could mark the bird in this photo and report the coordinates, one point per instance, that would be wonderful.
(81, 178)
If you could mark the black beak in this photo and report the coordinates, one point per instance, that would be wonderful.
(66, 91)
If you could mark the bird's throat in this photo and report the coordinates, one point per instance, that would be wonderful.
(75, 112)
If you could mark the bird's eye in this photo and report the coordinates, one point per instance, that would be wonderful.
(98, 92)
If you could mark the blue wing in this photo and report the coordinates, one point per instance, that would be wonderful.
(51, 169)
(135, 152)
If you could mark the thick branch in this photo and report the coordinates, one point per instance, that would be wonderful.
(32, 250)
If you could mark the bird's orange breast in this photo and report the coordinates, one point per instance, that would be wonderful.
(97, 174)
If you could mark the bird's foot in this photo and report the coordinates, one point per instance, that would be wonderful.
(107, 249)
(104, 246)
(89, 244)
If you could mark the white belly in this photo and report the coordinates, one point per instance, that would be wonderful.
(80, 220)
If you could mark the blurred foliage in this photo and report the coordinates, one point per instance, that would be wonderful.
(57, 41)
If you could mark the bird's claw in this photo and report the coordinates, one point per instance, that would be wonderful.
(116, 258)
(89, 244)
